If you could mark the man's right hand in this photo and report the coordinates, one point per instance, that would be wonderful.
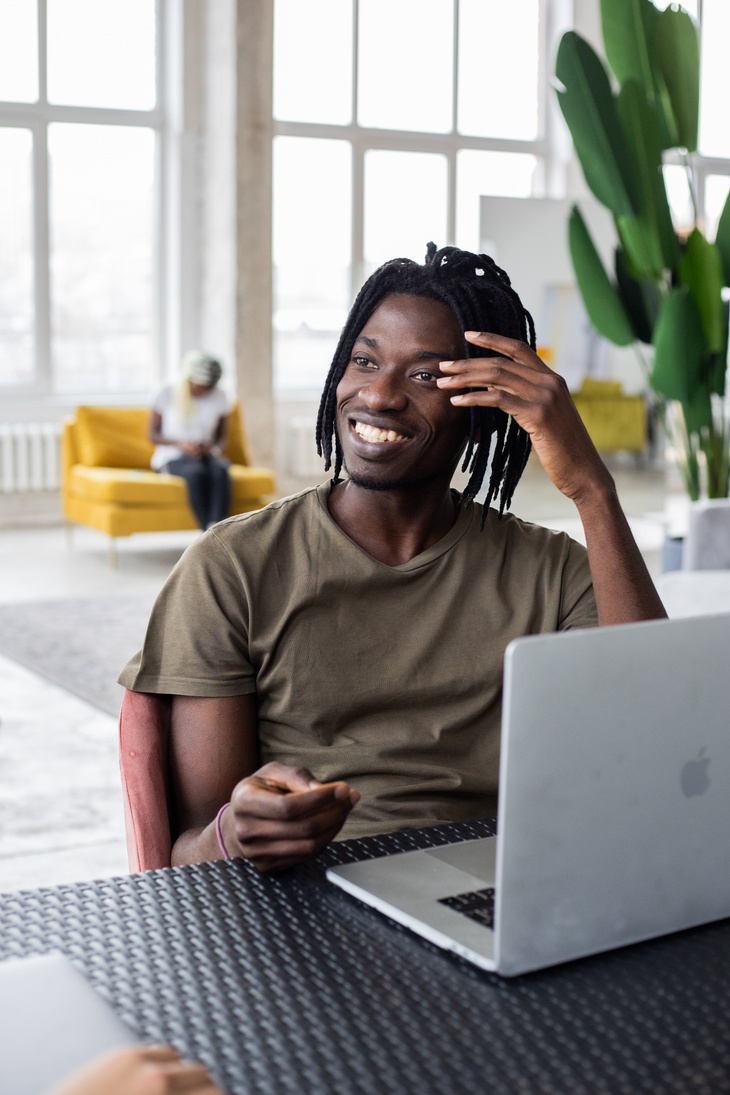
(280, 816)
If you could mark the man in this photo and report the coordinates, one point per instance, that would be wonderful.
(351, 637)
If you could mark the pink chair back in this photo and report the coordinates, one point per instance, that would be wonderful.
(144, 732)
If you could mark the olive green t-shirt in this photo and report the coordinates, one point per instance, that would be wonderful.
(387, 677)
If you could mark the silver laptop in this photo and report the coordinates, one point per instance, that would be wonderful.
(52, 1022)
(614, 805)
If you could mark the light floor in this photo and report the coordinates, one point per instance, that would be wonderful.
(60, 800)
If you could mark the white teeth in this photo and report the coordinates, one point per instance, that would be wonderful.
(375, 435)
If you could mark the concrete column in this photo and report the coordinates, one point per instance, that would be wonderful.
(254, 135)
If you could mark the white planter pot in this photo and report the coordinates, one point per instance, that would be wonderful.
(707, 543)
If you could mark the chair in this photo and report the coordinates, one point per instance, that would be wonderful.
(144, 733)
(108, 484)
(614, 420)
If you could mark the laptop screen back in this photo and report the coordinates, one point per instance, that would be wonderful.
(52, 1022)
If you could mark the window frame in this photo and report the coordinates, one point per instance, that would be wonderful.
(547, 147)
(37, 117)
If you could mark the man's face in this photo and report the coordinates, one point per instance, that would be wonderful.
(396, 427)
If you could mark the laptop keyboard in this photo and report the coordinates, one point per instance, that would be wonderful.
(477, 905)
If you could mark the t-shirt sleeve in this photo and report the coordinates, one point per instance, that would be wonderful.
(226, 403)
(577, 599)
(161, 400)
(197, 637)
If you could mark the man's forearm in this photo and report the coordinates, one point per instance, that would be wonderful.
(624, 590)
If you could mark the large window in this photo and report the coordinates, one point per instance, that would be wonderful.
(79, 134)
(392, 118)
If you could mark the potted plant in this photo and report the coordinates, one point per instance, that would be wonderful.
(666, 288)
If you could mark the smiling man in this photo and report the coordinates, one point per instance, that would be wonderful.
(336, 658)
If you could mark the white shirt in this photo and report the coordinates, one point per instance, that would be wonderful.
(206, 412)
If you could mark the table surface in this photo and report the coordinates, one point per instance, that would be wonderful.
(288, 985)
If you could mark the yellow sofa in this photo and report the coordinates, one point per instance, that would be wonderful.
(614, 421)
(108, 484)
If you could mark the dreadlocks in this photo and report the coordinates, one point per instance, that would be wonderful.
(482, 298)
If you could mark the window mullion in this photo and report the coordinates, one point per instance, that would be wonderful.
(42, 52)
(451, 157)
(41, 259)
(357, 260)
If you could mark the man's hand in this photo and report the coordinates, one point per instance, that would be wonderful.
(520, 384)
(280, 816)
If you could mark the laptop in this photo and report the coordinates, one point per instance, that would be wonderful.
(614, 804)
(52, 1023)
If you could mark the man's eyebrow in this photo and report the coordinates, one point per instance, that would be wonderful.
(368, 341)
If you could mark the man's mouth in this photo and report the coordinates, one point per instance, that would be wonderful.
(374, 435)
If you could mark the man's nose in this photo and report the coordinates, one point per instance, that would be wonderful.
(383, 390)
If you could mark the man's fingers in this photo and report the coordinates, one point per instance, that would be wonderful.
(286, 777)
(277, 855)
(252, 797)
(252, 830)
(510, 347)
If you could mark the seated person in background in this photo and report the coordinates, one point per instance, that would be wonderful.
(343, 647)
(188, 426)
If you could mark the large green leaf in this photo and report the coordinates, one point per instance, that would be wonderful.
(624, 25)
(698, 410)
(722, 240)
(679, 347)
(600, 297)
(629, 35)
(701, 271)
(637, 299)
(640, 250)
(659, 247)
(589, 109)
(678, 56)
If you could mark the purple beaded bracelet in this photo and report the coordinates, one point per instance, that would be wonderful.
(218, 832)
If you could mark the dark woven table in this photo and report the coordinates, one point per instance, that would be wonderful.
(287, 985)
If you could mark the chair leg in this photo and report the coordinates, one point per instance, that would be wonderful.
(112, 553)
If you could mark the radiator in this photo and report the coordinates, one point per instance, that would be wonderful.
(30, 456)
(301, 449)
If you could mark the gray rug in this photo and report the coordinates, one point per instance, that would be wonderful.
(80, 645)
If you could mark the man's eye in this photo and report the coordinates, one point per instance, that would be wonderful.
(424, 374)
(362, 361)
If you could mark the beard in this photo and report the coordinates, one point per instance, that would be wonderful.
(413, 482)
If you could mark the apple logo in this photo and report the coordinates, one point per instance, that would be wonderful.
(694, 777)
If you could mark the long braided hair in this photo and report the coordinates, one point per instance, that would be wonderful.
(482, 298)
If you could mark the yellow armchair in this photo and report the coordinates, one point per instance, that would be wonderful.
(614, 421)
(108, 484)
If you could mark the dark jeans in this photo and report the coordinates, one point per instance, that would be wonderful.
(209, 486)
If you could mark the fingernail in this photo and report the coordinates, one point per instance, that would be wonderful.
(456, 398)
(445, 364)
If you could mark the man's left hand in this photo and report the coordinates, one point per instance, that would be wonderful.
(523, 386)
